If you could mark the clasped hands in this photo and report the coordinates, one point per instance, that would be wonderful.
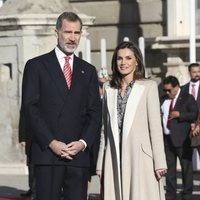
(66, 150)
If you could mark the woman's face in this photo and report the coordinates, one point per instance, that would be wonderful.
(126, 62)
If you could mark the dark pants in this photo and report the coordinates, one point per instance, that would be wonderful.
(52, 181)
(31, 179)
(185, 157)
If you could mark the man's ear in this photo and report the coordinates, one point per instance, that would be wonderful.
(56, 33)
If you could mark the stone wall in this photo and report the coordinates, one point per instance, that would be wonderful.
(116, 19)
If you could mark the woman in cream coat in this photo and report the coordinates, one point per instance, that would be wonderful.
(131, 157)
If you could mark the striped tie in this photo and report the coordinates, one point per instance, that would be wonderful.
(67, 72)
(193, 91)
(171, 107)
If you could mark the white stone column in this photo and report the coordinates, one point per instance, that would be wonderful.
(178, 17)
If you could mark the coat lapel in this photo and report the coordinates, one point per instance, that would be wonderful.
(177, 104)
(111, 96)
(198, 98)
(131, 107)
(78, 72)
(112, 109)
(56, 74)
(187, 86)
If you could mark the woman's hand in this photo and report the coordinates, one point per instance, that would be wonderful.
(98, 173)
(159, 173)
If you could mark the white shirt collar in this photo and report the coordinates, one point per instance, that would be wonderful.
(61, 55)
(195, 83)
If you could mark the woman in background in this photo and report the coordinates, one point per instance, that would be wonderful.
(131, 158)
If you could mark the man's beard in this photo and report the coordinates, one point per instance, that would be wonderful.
(195, 79)
(65, 49)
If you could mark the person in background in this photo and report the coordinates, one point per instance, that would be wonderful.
(179, 110)
(192, 87)
(102, 77)
(195, 128)
(25, 141)
(61, 103)
(131, 157)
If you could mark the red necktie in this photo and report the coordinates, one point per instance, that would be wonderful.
(193, 91)
(67, 72)
(170, 109)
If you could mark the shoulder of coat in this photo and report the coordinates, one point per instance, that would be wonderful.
(106, 85)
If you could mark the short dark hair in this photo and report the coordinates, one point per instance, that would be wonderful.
(139, 73)
(171, 80)
(69, 16)
(192, 65)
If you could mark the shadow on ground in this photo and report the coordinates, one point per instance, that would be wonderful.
(6, 191)
(9, 187)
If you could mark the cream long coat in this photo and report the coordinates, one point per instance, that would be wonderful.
(142, 145)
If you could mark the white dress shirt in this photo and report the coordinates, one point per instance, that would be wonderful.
(165, 112)
(61, 59)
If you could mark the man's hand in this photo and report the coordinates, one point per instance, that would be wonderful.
(58, 147)
(195, 129)
(72, 149)
(174, 114)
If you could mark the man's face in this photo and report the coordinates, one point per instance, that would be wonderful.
(195, 73)
(69, 36)
(170, 90)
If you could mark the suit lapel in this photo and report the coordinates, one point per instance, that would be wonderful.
(131, 107)
(179, 99)
(187, 88)
(78, 72)
(56, 74)
(198, 98)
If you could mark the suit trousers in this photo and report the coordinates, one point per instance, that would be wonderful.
(53, 181)
(184, 154)
(31, 179)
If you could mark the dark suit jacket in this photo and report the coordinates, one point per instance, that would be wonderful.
(54, 112)
(24, 133)
(180, 127)
(185, 88)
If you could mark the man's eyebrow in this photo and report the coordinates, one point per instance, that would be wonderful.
(76, 32)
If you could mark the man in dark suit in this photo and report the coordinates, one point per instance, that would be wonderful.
(179, 110)
(25, 141)
(192, 87)
(62, 107)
